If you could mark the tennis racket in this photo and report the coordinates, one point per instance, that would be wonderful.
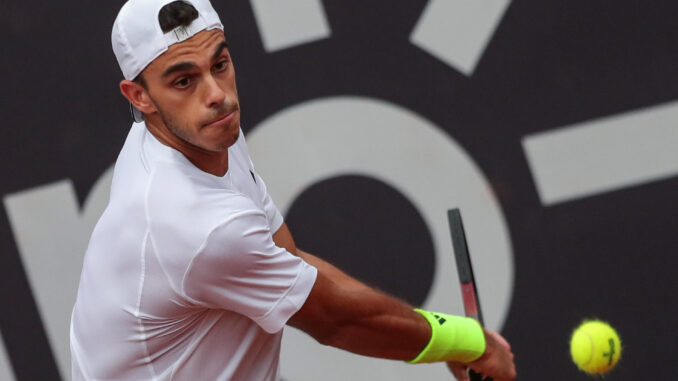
(469, 293)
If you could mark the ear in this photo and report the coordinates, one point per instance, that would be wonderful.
(137, 95)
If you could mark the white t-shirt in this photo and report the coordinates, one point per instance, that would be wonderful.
(182, 279)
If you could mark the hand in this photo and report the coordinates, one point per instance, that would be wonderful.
(459, 370)
(496, 362)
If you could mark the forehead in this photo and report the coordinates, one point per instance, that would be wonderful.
(197, 48)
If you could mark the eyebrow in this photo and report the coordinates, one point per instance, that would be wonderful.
(219, 49)
(181, 66)
(178, 67)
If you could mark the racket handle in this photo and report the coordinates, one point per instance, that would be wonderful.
(477, 376)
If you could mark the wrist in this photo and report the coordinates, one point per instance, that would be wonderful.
(453, 338)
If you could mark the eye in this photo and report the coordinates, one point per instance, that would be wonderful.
(221, 65)
(181, 82)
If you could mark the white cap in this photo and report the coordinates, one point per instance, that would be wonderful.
(138, 39)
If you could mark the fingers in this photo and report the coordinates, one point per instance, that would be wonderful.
(459, 370)
(498, 360)
(498, 370)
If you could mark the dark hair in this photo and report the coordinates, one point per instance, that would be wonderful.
(140, 80)
(171, 16)
(176, 14)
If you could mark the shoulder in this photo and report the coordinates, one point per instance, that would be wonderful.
(183, 207)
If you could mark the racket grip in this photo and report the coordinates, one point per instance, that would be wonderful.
(477, 376)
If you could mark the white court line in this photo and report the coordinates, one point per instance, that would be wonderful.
(285, 24)
(604, 155)
(458, 31)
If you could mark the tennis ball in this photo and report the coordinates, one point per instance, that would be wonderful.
(595, 347)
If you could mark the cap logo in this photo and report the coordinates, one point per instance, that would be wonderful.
(181, 33)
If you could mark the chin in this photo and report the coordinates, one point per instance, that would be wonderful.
(236, 133)
(226, 144)
(222, 141)
(233, 138)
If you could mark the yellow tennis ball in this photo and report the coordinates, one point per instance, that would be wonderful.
(595, 346)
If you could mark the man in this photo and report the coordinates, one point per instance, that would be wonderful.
(191, 272)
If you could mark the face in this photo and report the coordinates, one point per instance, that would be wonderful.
(192, 92)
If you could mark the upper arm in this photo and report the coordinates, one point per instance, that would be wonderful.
(283, 238)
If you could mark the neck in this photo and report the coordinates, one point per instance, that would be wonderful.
(212, 162)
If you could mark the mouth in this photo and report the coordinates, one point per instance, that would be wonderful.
(221, 120)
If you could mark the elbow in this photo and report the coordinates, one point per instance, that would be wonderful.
(323, 326)
(329, 337)
(329, 332)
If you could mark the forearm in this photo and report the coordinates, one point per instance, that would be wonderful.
(363, 321)
(381, 327)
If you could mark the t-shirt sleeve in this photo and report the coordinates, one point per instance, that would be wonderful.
(239, 268)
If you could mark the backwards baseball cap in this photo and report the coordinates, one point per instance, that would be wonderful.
(138, 39)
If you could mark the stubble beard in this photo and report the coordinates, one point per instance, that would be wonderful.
(175, 128)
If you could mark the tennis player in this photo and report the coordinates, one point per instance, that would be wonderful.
(191, 272)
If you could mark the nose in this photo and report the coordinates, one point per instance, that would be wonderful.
(215, 95)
